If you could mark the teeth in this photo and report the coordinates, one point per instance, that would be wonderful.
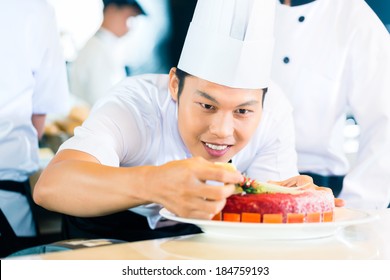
(216, 147)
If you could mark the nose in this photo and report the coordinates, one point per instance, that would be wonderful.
(222, 125)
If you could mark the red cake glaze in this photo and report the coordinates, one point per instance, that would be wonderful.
(309, 201)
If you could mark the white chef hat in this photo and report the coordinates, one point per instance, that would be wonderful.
(230, 42)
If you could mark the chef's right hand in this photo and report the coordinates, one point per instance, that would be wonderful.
(180, 186)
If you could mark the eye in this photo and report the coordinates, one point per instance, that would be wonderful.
(243, 111)
(207, 106)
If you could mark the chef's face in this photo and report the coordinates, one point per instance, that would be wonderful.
(215, 121)
(121, 17)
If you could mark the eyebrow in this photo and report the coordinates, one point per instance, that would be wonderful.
(212, 99)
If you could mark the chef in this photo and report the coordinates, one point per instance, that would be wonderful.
(32, 84)
(154, 140)
(100, 64)
(331, 58)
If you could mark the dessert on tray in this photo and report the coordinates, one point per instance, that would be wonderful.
(257, 202)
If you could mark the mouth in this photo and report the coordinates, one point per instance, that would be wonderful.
(216, 147)
(216, 150)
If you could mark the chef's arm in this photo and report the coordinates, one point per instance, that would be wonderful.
(75, 183)
(367, 184)
(38, 121)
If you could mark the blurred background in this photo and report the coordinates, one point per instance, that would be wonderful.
(152, 45)
(155, 40)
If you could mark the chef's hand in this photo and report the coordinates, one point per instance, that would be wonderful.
(306, 182)
(180, 186)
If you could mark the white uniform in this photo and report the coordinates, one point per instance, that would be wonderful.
(98, 66)
(32, 81)
(137, 125)
(332, 56)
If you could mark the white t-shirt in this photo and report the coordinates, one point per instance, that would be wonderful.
(333, 57)
(32, 81)
(136, 124)
(99, 65)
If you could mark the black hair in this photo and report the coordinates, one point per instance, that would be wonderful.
(262, 100)
(181, 76)
(123, 3)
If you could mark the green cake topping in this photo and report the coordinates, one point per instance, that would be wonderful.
(250, 186)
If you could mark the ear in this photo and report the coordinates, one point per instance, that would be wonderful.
(173, 84)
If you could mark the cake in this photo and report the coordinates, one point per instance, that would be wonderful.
(257, 202)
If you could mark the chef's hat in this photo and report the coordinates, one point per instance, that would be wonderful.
(230, 42)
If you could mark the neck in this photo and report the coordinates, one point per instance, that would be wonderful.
(117, 30)
(295, 2)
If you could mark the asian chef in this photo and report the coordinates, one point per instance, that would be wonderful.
(153, 141)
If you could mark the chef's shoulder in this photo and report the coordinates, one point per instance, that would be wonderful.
(276, 101)
(148, 92)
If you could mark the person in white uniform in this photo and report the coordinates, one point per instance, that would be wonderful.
(33, 83)
(153, 142)
(100, 64)
(333, 58)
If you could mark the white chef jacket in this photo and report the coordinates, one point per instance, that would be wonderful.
(98, 66)
(32, 81)
(136, 125)
(332, 56)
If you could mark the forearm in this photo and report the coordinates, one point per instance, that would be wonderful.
(38, 121)
(77, 184)
(82, 188)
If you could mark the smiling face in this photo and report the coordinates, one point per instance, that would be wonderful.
(215, 122)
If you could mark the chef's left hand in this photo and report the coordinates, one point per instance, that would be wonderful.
(307, 183)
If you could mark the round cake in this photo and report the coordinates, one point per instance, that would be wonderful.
(258, 202)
